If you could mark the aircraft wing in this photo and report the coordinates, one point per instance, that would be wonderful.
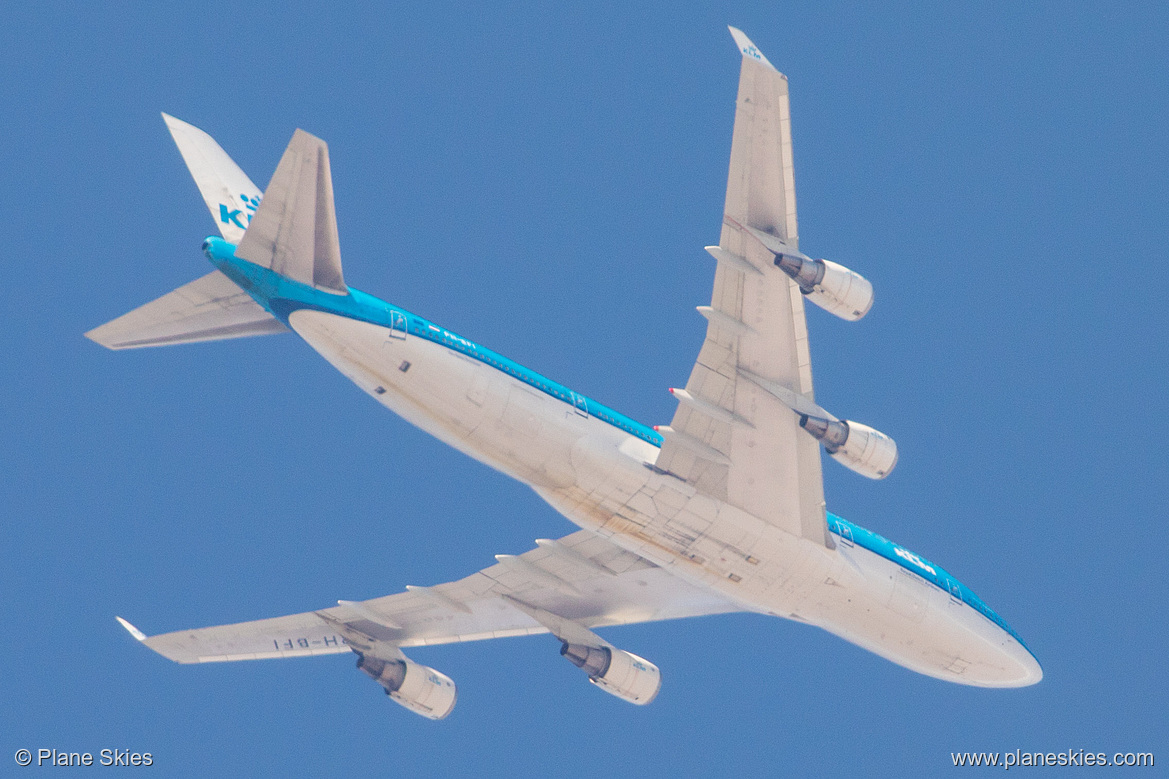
(731, 438)
(582, 578)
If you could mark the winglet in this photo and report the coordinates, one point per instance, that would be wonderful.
(135, 632)
(749, 50)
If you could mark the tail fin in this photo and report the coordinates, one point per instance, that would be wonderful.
(212, 308)
(229, 194)
(294, 231)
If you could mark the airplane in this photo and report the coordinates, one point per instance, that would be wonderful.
(720, 511)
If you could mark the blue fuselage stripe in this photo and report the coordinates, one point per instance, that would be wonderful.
(281, 296)
(919, 566)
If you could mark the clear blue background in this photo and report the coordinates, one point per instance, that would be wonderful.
(542, 178)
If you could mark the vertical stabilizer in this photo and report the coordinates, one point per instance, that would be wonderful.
(229, 194)
(294, 231)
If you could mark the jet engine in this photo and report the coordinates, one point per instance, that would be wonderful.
(834, 288)
(857, 447)
(420, 689)
(617, 672)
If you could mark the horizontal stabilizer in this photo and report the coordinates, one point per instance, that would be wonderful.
(294, 231)
(211, 308)
(228, 192)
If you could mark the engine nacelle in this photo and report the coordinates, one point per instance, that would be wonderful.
(857, 447)
(419, 688)
(833, 287)
(617, 672)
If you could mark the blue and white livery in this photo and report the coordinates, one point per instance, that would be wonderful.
(720, 511)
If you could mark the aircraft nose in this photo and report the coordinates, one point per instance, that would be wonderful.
(1024, 668)
(1033, 671)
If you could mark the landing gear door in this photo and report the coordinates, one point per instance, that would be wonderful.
(397, 324)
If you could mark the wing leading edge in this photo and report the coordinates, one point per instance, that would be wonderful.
(731, 436)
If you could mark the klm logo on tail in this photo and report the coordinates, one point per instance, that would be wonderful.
(232, 216)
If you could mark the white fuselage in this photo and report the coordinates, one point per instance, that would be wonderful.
(600, 477)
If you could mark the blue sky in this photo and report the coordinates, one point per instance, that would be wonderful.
(542, 179)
